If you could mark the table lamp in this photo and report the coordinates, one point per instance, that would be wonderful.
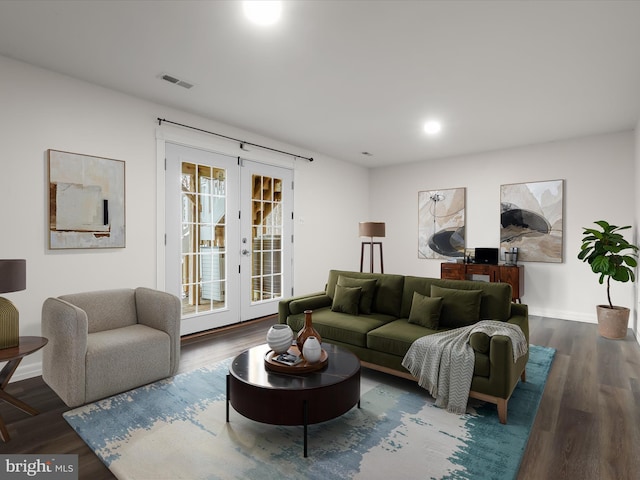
(371, 229)
(13, 278)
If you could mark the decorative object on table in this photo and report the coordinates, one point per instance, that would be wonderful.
(288, 359)
(86, 201)
(279, 337)
(371, 230)
(396, 425)
(307, 331)
(312, 350)
(271, 362)
(531, 220)
(441, 223)
(610, 256)
(13, 278)
(511, 257)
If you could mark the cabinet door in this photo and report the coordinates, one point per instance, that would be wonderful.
(513, 275)
(452, 271)
(490, 271)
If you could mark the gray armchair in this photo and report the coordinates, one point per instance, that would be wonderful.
(110, 341)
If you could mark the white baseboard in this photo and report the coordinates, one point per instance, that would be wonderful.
(27, 371)
(563, 315)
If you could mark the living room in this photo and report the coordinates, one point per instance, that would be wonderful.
(44, 109)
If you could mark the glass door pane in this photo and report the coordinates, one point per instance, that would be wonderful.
(266, 238)
(203, 238)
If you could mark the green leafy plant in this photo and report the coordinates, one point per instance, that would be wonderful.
(609, 254)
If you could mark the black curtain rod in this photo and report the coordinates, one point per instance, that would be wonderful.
(242, 142)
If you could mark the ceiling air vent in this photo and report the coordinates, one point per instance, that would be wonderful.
(175, 81)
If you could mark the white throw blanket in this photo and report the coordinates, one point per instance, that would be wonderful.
(444, 362)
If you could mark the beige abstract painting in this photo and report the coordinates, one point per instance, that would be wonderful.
(531, 220)
(86, 201)
(441, 223)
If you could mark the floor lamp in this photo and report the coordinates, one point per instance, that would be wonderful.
(371, 229)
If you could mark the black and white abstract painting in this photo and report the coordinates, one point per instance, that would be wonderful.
(531, 220)
(441, 223)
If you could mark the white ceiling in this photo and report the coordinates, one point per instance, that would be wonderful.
(340, 78)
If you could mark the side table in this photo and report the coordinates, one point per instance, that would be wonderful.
(13, 356)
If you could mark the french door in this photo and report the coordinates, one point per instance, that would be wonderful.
(266, 237)
(225, 223)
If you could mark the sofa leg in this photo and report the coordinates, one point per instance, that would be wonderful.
(502, 410)
(523, 377)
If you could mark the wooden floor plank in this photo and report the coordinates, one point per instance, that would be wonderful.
(587, 427)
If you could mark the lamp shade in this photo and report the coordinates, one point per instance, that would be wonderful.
(371, 229)
(13, 275)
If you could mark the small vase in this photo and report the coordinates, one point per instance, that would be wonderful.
(307, 331)
(312, 351)
(279, 338)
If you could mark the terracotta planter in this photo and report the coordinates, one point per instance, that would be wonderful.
(612, 322)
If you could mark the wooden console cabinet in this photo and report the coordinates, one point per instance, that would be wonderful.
(511, 274)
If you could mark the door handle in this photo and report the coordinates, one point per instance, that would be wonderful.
(245, 252)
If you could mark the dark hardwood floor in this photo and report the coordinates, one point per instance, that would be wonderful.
(587, 427)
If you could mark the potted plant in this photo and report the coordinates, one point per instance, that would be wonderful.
(614, 258)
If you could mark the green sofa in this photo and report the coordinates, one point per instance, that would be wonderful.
(380, 333)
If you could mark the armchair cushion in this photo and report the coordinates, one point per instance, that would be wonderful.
(124, 358)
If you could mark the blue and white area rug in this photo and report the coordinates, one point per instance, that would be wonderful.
(176, 429)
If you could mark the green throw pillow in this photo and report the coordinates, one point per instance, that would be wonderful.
(425, 310)
(346, 300)
(459, 307)
(368, 286)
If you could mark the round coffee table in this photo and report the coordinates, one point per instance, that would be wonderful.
(293, 399)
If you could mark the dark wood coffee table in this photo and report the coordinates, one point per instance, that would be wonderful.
(293, 399)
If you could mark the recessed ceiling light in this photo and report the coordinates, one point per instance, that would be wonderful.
(262, 12)
(432, 127)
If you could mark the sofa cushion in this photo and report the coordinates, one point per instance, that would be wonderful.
(496, 297)
(388, 294)
(425, 310)
(459, 307)
(346, 300)
(368, 286)
(396, 337)
(341, 327)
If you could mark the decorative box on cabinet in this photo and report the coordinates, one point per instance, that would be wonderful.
(511, 274)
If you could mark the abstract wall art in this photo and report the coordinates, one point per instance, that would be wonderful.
(441, 223)
(86, 201)
(531, 220)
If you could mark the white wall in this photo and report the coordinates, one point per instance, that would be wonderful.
(566, 290)
(43, 110)
(634, 321)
